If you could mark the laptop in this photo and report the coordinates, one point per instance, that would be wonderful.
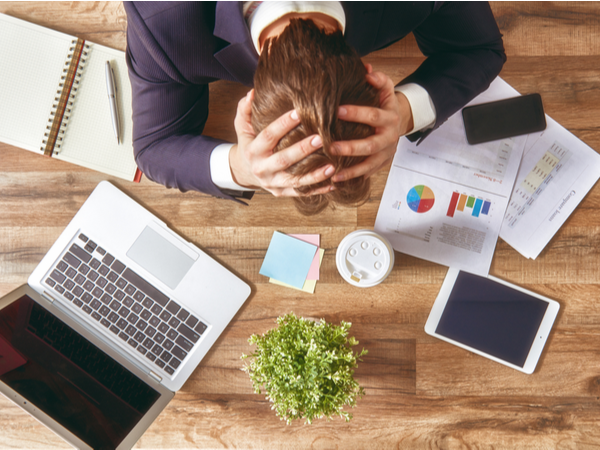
(112, 322)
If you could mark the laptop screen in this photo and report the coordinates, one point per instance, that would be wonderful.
(68, 378)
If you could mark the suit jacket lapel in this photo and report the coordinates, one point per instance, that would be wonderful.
(239, 58)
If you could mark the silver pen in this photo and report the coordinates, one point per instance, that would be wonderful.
(112, 97)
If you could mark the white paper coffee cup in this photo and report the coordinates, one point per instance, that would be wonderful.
(364, 258)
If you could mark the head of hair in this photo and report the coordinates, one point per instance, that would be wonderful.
(314, 72)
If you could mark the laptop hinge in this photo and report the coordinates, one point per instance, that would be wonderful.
(156, 377)
(48, 297)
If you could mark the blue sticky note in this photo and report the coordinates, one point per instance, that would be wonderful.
(288, 259)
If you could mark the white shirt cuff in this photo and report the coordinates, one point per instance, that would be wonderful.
(220, 172)
(422, 107)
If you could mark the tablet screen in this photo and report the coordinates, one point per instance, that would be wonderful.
(492, 318)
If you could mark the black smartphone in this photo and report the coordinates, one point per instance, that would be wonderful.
(504, 118)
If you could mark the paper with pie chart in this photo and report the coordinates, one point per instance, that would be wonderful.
(444, 200)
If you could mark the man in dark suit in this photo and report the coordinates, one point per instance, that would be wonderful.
(174, 50)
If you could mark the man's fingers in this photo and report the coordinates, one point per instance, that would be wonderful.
(366, 168)
(369, 115)
(361, 147)
(268, 138)
(283, 159)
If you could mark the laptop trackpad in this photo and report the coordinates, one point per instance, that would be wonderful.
(160, 257)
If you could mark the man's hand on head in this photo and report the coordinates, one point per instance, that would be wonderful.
(254, 164)
(391, 120)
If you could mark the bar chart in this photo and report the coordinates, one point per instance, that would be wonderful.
(468, 204)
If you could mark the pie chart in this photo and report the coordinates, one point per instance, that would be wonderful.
(420, 199)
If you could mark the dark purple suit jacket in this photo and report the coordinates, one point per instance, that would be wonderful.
(175, 49)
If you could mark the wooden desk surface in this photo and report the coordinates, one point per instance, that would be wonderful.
(420, 392)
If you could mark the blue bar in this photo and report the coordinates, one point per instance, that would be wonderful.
(477, 207)
(486, 207)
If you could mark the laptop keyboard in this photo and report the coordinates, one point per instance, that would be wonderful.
(123, 302)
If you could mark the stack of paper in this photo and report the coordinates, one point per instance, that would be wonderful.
(293, 261)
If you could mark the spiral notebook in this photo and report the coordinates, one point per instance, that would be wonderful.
(53, 98)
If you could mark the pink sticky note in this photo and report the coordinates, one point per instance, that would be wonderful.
(314, 239)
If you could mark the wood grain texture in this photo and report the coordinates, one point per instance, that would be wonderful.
(420, 392)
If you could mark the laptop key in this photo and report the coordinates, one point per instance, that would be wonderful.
(93, 275)
(83, 237)
(141, 349)
(141, 325)
(94, 263)
(70, 285)
(97, 292)
(163, 327)
(124, 312)
(78, 291)
(179, 352)
(123, 336)
(191, 321)
(172, 334)
(117, 266)
(139, 336)
(184, 343)
(132, 343)
(148, 303)
(173, 307)
(95, 304)
(115, 305)
(71, 273)
(120, 295)
(188, 333)
(159, 338)
(148, 343)
(62, 266)
(72, 260)
(137, 308)
(105, 322)
(122, 323)
(50, 282)
(114, 329)
(80, 253)
(165, 316)
(113, 276)
(130, 330)
(169, 370)
(113, 317)
(150, 331)
(132, 318)
(102, 282)
(183, 315)
(166, 356)
(59, 289)
(156, 309)
(96, 316)
(174, 322)
(138, 296)
(108, 259)
(200, 328)
(157, 349)
(86, 297)
(86, 309)
(58, 277)
(103, 270)
(121, 283)
(84, 269)
(130, 289)
(111, 288)
(154, 321)
(78, 303)
(104, 311)
(151, 356)
(159, 363)
(145, 314)
(174, 363)
(69, 296)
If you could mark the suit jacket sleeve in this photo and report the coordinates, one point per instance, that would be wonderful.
(169, 114)
(464, 52)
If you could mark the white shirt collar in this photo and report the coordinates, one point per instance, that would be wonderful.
(265, 13)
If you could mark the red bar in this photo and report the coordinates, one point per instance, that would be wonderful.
(453, 203)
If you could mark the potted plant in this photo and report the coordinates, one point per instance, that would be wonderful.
(306, 368)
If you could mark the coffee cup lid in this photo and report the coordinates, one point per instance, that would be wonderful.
(364, 258)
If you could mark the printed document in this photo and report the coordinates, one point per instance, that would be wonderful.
(557, 171)
(444, 199)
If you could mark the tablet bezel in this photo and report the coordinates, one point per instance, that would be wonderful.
(538, 344)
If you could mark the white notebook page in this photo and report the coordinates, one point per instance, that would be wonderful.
(31, 64)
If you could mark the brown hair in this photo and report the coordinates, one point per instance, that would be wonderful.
(314, 73)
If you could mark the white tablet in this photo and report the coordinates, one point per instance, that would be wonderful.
(492, 318)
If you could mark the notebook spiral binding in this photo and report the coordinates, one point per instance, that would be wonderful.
(65, 96)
